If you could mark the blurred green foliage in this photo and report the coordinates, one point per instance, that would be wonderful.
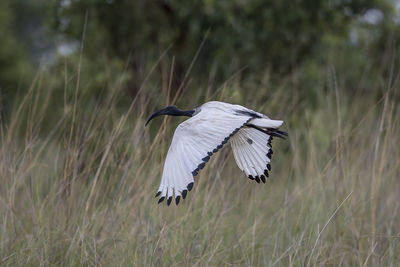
(250, 40)
(13, 61)
(263, 35)
(24, 44)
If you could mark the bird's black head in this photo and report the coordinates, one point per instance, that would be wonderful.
(172, 111)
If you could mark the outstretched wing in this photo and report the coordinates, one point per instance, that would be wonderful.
(253, 151)
(194, 142)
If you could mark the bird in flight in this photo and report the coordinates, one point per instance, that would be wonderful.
(208, 129)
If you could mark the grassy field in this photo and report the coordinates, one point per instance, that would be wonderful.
(80, 190)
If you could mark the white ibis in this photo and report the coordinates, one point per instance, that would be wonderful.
(208, 129)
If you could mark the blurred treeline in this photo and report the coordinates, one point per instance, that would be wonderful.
(193, 46)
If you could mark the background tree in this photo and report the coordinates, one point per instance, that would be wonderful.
(277, 36)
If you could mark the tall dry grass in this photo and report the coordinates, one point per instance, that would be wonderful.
(81, 192)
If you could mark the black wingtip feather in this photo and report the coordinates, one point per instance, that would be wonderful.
(257, 179)
(206, 159)
(158, 193)
(263, 178)
(169, 201)
(269, 167)
(161, 200)
(190, 186)
(184, 192)
(177, 199)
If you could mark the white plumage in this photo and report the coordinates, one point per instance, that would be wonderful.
(210, 127)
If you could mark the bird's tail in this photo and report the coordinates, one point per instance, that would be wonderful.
(268, 126)
(266, 123)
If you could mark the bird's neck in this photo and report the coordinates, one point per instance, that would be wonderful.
(178, 112)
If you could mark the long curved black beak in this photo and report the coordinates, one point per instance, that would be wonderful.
(161, 112)
(172, 111)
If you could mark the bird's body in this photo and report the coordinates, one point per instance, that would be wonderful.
(210, 127)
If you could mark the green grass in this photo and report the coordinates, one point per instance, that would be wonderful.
(80, 191)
